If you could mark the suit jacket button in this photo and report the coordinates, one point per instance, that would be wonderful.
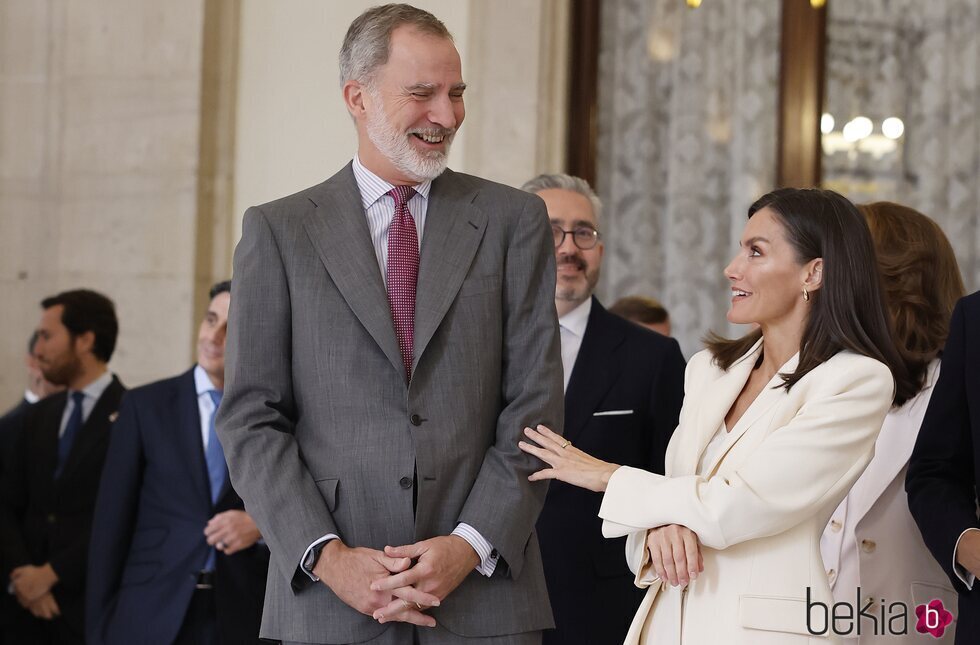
(868, 546)
(405, 482)
(52, 518)
(416, 420)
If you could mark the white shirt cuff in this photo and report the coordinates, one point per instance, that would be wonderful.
(306, 563)
(965, 576)
(484, 550)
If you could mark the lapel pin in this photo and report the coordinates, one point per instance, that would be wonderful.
(113, 417)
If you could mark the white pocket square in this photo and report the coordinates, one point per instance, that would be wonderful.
(612, 413)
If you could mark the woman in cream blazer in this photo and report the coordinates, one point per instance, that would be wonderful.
(871, 541)
(774, 429)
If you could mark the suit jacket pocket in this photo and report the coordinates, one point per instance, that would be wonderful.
(328, 491)
(924, 592)
(478, 285)
(773, 614)
(613, 413)
(137, 573)
(148, 538)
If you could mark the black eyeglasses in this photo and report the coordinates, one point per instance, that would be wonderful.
(583, 237)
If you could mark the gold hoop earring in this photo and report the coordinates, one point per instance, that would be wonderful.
(806, 295)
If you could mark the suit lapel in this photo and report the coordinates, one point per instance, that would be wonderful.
(594, 371)
(770, 395)
(187, 435)
(95, 427)
(49, 423)
(718, 396)
(339, 232)
(893, 448)
(453, 230)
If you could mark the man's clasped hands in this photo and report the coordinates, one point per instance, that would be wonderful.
(399, 583)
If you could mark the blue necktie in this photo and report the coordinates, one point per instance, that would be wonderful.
(71, 431)
(215, 456)
(217, 468)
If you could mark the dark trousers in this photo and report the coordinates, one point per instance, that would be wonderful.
(23, 627)
(200, 623)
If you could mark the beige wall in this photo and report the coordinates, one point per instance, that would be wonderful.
(134, 134)
(293, 130)
(99, 113)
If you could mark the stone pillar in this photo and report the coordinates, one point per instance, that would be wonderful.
(100, 113)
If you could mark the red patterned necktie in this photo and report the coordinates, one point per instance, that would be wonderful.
(402, 273)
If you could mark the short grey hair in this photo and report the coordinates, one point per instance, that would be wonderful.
(368, 40)
(562, 181)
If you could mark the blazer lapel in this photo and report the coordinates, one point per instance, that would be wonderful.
(95, 427)
(339, 232)
(49, 424)
(187, 434)
(593, 373)
(454, 228)
(721, 394)
(770, 395)
(893, 448)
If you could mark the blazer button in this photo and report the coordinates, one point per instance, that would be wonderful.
(52, 518)
(405, 482)
(416, 420)
(868, 546)
(835, 526)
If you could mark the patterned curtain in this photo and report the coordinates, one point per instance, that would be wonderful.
(920, 62)
(687, 141)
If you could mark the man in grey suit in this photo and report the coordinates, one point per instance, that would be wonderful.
(392, 332)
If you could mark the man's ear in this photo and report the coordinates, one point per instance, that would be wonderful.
(354, 95)
(84, 342)
(813, 279)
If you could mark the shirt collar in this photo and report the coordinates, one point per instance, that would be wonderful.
(95, 389)
(202, 383)
(373, 188)
(30, 397)
(577, 319)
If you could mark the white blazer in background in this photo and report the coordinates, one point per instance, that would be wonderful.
(888, 560)
(759, 506)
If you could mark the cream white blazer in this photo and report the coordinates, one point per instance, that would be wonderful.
(889, 560)
(760, 505)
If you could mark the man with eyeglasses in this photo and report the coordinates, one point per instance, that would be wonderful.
(623, 390)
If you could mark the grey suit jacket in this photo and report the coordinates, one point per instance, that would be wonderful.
(320, 431)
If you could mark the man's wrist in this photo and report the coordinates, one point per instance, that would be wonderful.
(50, 574)
(326, 556)
(471, 553)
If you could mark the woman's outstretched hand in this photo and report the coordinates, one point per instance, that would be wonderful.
(567, 463)
(675, 554)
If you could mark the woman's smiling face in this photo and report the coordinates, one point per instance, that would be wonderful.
(766, 275)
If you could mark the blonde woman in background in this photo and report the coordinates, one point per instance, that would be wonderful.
(871, 540)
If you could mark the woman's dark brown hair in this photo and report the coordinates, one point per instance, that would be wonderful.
(849, 310)
(921, 278)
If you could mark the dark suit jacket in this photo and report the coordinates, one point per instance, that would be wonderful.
(148, 537)
(620, 366)
(943, 476)
(47, 520)
(10, 427)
